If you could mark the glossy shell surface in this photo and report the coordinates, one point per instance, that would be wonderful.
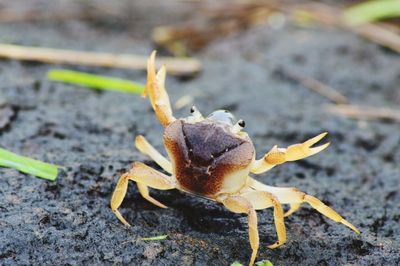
(207, 158)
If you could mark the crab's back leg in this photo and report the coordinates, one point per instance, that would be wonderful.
(295, 197)
(238, 204)
(145, 176)
(262, 200)
(144, 191)
(155, 87)
(292, 153)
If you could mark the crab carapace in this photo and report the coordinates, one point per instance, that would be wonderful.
(213, 157)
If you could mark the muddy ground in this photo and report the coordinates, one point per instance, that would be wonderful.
(90, 133)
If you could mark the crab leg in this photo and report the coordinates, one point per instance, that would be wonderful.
(294, 197)
(144, 176)
(238, 204)
(262, 200)
(155, 87)
(292, 153)
(146, 148)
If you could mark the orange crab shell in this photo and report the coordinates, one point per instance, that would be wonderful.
(207, 158)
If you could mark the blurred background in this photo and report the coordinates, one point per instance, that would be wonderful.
(71, 74)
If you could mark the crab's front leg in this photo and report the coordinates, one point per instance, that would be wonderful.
(145, 177)
(292, 153)
(155, 87)
(146, 148)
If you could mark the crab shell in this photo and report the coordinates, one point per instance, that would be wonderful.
(207, 157)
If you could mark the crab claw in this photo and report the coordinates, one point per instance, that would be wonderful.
(303, 150)
(275, 156)
(155, 88)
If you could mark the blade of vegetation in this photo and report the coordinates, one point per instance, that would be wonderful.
(28, 165)
(94, 81)
(375, 32)
(317, 86)
(236, 263)
(365, 112)
(264, 263)
(162, 237)
(175, 66)
(370, 11)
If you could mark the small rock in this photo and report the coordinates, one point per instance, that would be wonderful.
(7, 114)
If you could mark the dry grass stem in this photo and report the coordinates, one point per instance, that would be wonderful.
(183, 101)
(318, 87)
(364, 112)
(212, 22)
(175, 66)
(379, 33)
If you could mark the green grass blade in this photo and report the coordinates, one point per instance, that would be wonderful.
(28, 165)
(264, 263)
(162, 237)
(236, 263)
(370, 11)
(94, 81)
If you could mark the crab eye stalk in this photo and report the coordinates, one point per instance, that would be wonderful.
(238, 126)
(196, 113)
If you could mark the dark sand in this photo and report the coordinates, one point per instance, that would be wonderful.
(91, 133)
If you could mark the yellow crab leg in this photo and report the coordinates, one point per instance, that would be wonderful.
(295, 197)
(262, 200)
(238, 204)
(144, 176)
(146, 148)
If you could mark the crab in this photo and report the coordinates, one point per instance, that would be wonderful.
(212, 157)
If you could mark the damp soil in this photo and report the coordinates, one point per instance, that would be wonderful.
(90, 133)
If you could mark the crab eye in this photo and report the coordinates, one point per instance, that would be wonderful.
(238, 126)
(196, 115)
(222, 116)
(241, 123)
